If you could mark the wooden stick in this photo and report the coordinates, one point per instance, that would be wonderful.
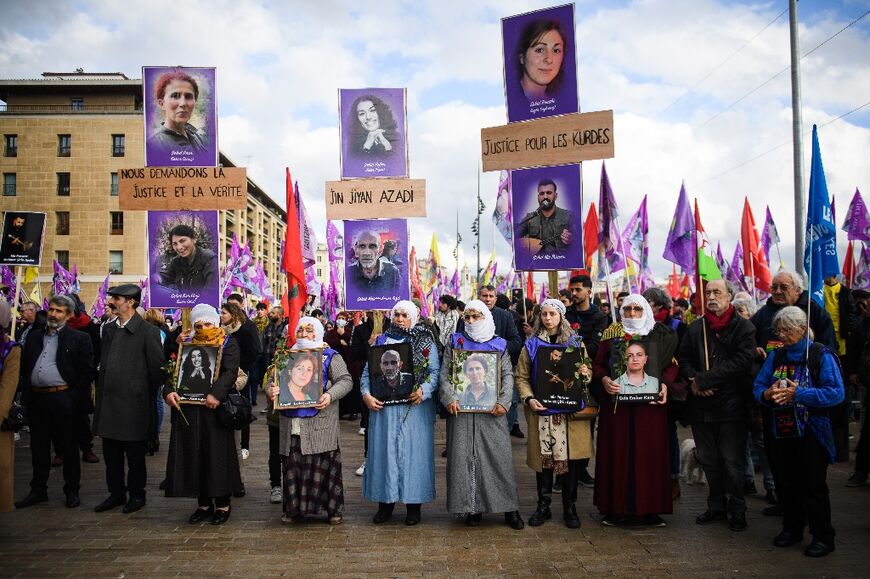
(18, 279)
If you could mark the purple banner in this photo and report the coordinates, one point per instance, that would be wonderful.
(540, 66)
(180, 116)
(376, 263)
(183, 258)
(548, 234)
(373, 132)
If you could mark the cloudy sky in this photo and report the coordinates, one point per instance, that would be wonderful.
(698, 87)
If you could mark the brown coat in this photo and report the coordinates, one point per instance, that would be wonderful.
(8, 386)
(579, 430)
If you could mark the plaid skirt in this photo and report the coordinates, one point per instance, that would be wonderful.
(312, 482)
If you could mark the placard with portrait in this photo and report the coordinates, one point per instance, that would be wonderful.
(391, 373)
(557, 385)
(373, 132)
(376, 263)
(638, 375)
(300, 381)
(22, 241)
(196, 372)
(476, 379)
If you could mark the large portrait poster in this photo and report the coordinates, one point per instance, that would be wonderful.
(23, 235)
(540, 67)
(548, 234)
(180, 116)
(183, 258)
(376, 264)
(373, 132)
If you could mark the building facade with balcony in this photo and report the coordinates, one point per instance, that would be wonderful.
(65, 137)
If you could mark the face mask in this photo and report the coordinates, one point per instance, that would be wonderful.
(340, 323)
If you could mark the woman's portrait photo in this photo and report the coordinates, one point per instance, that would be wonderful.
(180, 116)
(635, 385)
(556, 384)
(373, 133)
(300, 383)
(183, 261)
(539, 63)
(197, 372)
(477, 386)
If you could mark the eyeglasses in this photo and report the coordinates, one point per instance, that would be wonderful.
(780, 286)
(632, 309)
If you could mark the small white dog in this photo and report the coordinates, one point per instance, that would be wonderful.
(690, 466)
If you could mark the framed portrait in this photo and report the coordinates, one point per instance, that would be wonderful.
(548, 232)
(476, 379)
(376, 263)
(183, 258)
(196, 372)
(540, 63)
(23, 236)
(639, 382)
(300, 382)
(372, 123)
(180, 105)
(391, 373)
(556, 385)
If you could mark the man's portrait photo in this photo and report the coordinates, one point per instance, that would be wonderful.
(556, 385)
(183, 260)
(391, 373)
(23, 234)
(180, 116)
(376, 264)
(477, 383)
(547, 228)
(373, 133)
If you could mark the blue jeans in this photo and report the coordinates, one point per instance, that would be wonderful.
(756, 441)
(160, 410)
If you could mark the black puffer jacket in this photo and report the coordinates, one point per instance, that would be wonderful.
(730, 354)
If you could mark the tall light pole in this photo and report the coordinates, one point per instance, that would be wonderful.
(797, 144)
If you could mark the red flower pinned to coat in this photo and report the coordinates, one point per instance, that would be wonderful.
(173, 356)
(461, 342)
(426, 352)
(575, 326)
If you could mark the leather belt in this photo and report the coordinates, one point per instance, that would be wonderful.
(51, 389)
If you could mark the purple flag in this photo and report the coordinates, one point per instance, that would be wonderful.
(455, 282)
(634, 241)
(862, 270)
(7, 276)
(769, 234)
(720, 261)
(857, 222)
(735, 269)
(543, 295)
(680, 248)
(100, 301)
(334, 249)
(502, 215)
(610, 250)
(306, 233)
(63, 282)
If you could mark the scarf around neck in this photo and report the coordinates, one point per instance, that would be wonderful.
(209, 336)
(718, 323)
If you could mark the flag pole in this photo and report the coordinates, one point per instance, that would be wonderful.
(18, 280)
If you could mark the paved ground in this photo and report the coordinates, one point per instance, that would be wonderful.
(50, 540)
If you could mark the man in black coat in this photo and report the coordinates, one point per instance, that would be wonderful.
(56, 371)
(715, 359)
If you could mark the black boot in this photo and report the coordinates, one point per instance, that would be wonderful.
(385, 511)
(412, 516)
(569, 493)
(544, 481)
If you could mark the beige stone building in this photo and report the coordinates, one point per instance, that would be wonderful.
(65, 137)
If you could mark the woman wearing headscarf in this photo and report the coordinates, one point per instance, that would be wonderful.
(480, 469)
(632, 469)
(558, 440)
(10, 358)
(202, 459)
(309, 449)
(400, 463)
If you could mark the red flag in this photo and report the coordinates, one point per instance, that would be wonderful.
(416, 286)
(291, 263)
(686, 287)
(700, 306)
(849, 267)
(590, 235)
(674, 283)
(754, 260)
(530, 285)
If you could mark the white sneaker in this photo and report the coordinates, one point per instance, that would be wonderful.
(264, 410)
(16, 437)
(276, 496)
(362, 432)
(245, 453)
(361, 470)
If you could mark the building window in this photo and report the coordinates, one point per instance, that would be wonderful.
(64, 145)
(10, 149)
(63, 184)
(77, 104)
(117, 225)
(117, 145)
(62, 227)
(9, 180)
(114, 189)
(116, 262)
(62, 257)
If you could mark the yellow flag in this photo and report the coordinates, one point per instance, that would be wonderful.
(36, 295)
(31, 274)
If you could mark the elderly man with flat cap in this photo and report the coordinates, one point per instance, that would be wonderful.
(125, 417)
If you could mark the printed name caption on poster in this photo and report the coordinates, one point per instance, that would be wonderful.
(162, 188)
(375, 198)
(558, 140)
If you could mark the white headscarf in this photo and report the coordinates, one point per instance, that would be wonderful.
(638, 326)
(409, 308)
(204, 313)
(481, 330)
(302, 343)
(555, 304)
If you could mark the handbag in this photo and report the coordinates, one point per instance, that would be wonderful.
(235, 411)
(16, 420)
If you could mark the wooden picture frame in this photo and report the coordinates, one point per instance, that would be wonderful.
(197, 369)
(384, 360)
(476, 379)
(300, 381)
